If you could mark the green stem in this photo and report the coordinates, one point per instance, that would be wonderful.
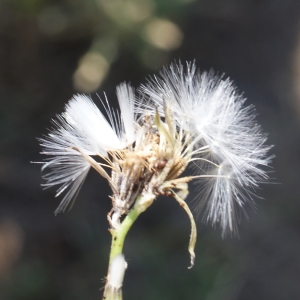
(118, 238)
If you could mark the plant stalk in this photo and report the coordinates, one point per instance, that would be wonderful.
(113, 291)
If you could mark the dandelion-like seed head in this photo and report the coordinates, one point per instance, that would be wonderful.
(228, 146)
(182, 118)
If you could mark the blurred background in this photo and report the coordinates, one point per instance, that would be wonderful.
(51, 49)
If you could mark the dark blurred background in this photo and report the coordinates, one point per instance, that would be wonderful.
(51, 49)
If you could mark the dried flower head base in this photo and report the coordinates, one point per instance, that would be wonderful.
(183, 118)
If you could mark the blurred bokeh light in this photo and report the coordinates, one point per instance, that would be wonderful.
(90, 73)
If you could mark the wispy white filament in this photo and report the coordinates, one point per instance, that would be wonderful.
(87, 121)
(212, 111)
(83, 127)
(126, 99)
